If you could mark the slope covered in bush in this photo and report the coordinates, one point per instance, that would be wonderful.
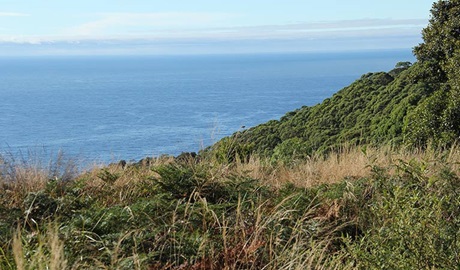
(414, 105)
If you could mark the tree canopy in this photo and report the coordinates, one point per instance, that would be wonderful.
(414, 104)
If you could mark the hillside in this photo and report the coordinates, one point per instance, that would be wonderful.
(371, 110)
(412, 105)
(358, 207)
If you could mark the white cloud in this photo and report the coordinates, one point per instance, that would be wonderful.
(124, 27)
(126, 23)
(204, 25)
(165, 33)
(341, 28)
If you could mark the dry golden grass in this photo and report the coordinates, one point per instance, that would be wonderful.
(123, 175)
(22, 180)
(30, 173)
(313, 171)
(117, 184)
(49, 253)
(349, 162)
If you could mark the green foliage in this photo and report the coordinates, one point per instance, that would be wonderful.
(108, 177)
(196, 181)
(424, 123)
(410, 221)
(413, 104)
(190, 215)
(440, 37)
(290, 150)
(39, 206)
(403, 65)
(230, 149)
(440, 56)
(193, 214)
(369, 111)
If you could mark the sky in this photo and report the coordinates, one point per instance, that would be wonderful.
(108, 27)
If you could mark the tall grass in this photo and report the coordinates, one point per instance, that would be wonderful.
(23, 173)
(347, 162)
(46, 253)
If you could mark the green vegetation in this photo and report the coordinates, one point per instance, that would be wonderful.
(398, 212)
(412, 105)
(368, 179)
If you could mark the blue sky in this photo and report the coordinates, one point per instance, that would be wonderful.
(35, 27)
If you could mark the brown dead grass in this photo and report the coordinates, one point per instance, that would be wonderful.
(19, 182)
(29, 173)
(351, 162)
(49, 253)
(346, 163)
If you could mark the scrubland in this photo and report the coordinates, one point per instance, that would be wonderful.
(356, 208)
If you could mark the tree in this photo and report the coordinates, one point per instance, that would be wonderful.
(438, 119)
(441, 37)
(403, 65)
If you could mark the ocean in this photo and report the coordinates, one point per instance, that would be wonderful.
(105, 108)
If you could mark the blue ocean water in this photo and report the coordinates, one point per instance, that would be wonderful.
(101, 108)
